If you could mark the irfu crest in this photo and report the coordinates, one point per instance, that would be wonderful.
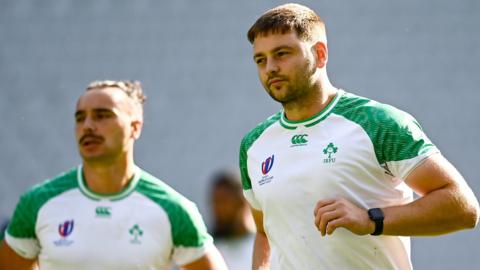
(330, 150)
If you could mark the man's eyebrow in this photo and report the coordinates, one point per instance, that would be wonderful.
(273, 50)
(257, 55)
(281, 48)
(96, 110)
(103, 110)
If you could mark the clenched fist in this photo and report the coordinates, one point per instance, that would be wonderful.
(331, 214)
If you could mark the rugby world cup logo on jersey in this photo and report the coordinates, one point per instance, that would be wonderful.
(65, 229)
(266, 167)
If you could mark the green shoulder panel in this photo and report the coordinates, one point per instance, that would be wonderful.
(24, 218)
(188, 228)
(395, 134)
(247, 141)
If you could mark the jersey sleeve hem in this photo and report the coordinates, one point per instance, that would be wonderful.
(27, 248)
(421, 161)
(185, 255)
(410, 165)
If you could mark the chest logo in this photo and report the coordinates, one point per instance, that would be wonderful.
(267, 164)
(103, 211)
(266, 167)
(65, 229)
(136, 233)
(329, 151)
(299, 140)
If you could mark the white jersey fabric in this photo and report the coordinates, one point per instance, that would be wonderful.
(146, 226)
(355, 148)
(237, 251)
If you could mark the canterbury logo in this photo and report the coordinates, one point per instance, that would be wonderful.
(299, 139)
(103, 211)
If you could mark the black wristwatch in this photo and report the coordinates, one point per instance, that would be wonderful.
(376, 214)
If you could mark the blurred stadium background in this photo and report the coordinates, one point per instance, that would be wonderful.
(195, 64)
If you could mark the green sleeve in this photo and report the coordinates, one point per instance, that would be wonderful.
(22, 224)
(395, 134)
(247, 142)
(188, 227)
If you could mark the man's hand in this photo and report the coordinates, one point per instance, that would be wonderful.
(331, 214)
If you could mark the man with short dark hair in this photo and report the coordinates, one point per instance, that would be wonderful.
(107, 213)
(330, 177)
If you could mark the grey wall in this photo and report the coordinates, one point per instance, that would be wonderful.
(195, 65)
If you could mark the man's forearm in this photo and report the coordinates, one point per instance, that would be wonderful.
(441, 211)
(261, 252)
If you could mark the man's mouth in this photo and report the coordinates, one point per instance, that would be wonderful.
(275, 81)
(90, 139)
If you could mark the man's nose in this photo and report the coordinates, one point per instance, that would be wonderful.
(272, 67)
(88, 123)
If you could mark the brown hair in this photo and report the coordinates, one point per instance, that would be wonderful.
(133, 89)
(287, 18)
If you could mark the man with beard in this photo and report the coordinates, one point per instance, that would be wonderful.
(330, 178)
(107, 213)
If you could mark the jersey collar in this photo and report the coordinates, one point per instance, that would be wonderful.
(112, 197)
(315, 119)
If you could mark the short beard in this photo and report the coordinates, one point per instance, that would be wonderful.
(300, 90)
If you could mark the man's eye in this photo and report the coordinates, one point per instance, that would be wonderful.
(259, 61)
(102, 115)
(79, 119)
(282, 53)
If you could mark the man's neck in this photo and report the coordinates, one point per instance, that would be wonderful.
(108, 178)
(310, 105)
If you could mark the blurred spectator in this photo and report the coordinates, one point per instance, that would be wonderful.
(233, 225)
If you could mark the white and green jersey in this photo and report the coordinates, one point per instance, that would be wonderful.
(146, 226)
(355, 148)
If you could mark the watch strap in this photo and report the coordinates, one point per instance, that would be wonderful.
(376, 215)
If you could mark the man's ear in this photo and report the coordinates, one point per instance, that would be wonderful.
(137, 125)
(321, 53)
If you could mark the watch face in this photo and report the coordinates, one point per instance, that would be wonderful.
(375, 214)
